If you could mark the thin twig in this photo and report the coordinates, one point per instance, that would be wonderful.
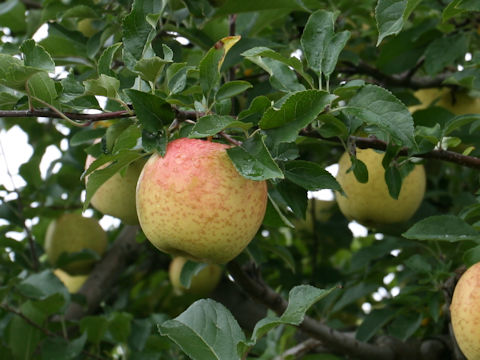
(47, 332)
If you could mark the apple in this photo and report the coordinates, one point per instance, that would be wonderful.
(201, 284)
(85, 26)
(72, 282)
(116, 196)
(193, 203)
(370, 204)
(465, 312)
(458, 103)
(72, 233)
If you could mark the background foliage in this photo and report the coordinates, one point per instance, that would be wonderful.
(291, 84)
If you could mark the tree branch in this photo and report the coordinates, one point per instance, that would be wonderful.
(404, 80)
(333, 339)
(361, 142)
(387, 348)
(105, 273)
(73, 116)
(374, 143)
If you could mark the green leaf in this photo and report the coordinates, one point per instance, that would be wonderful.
(95, 327)
(390, 16)
(210, 125)
(231, 89)
(332, 51)
(472, 256)
(22, 336)
(459, 121)
(85, 136)
(12, 15)
(137, 31)
(42, 87)
(374, 321)
(262, 51)
(119, 326)
(155, 141)
(189, 270)
(376, 106)
(152, 111)
(104, 85)
(97, 178)
(316, 37)
(150, 69)
(36, 56)
(58, 348)
(300, 299)
(405, 325)
(393, 179)
(41, 285)
(299, 110)
(206, 330)
(253, 160)
(106, 59)
(209, 70)
(442, 227)
(436, 58)
(310, 176)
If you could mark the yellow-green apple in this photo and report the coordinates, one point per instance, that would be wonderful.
(458, 103)
(465, 312)
(370, 203)
(116, 196)
(72, 282)
(202, 284)
(193, 203)
(72, 233)
(85, 26)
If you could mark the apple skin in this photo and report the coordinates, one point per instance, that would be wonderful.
(370, 204)
(465, 312)
(194, 203)
(459, 103)
(201, 284)
(116, 197)
(72, 282)
(72, 233)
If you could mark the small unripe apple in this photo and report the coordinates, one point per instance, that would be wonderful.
(72, 282)
(370, 203)
(465, 312)
(116, 196)
(193, 203)
(72, 233)
(201, 284)
(85, 26)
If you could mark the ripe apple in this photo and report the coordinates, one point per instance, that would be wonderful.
(458, 103)
(72, 282)
(193, 203)
(371, 204)
(72, 233)
(201, 284)
(116, 197)
(465, 312)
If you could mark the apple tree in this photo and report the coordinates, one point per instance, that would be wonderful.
(290, 86)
